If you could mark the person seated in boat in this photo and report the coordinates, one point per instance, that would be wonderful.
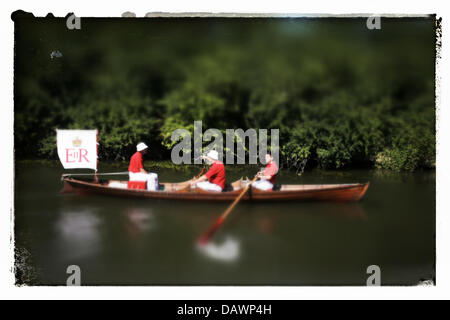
(267, 177)
(214, 178)
(136, 169)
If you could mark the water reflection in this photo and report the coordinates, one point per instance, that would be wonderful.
(227, 251)
(140, 221)
(350, 211)
(79, 232)
(266, 225)
(269, 223)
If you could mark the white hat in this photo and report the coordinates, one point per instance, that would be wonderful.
(213, 154)
(141, 146)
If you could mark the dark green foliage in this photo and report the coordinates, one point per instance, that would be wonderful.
(340, 94)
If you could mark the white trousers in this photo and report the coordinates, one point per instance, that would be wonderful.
(262, 185)
(151, 178)
(208, 186)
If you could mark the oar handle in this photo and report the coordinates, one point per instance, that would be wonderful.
(200, 174)
(185, 184)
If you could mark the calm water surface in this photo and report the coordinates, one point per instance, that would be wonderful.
(153, 242)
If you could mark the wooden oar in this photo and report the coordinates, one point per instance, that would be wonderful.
(200, 174)
(208, 234)
(186, 184)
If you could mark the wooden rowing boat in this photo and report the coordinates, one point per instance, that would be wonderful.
(173, 191)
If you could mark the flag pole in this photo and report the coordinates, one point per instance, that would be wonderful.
(96, 159)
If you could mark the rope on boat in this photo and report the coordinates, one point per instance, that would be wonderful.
(98, 174)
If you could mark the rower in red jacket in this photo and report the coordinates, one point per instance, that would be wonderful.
(214, 179)
(267, 177)
(136, 169)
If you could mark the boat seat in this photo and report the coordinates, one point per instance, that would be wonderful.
(140, 185)
(228, 187)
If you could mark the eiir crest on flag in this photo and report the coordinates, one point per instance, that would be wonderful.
(77, 148)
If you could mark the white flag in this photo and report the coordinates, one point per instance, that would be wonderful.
(77, 148)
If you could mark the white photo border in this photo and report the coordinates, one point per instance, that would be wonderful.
(114, 9)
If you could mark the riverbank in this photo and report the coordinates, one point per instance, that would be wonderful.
(168, 168)
(167, 164)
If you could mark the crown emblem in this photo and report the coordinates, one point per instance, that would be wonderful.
(76, 142)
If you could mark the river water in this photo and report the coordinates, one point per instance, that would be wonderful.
(153, 242)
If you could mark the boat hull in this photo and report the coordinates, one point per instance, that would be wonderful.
(333, 192)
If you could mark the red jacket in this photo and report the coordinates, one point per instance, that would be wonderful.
(216, 174)
(271, 170)
(136, 163)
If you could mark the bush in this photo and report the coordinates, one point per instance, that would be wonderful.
(341, 95)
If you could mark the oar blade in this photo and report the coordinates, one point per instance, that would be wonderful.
(204, 239)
